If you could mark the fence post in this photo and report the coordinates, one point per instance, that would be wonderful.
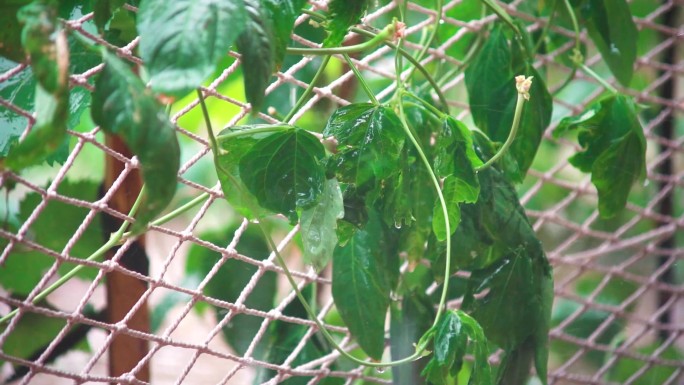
(124, 291)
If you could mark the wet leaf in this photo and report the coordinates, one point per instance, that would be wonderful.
(284, 172)
(370, 142)
(283, 13)
(614, 149)
(361, 288)
(612, 29)
(122, 106)
(181, 41)
(343, 15)
(455, 191)
(257, 46)
(318, 225)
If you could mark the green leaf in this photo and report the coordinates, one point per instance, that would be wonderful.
(32, 332)
(24, 267)
(227, 164)
(230, 280)
(257, 45)
(103, 12)
(407, 324)
(450, 341)
(612, 29)
(283, 14)
(47, 46)
(182, 41)
(318, 225)
(614, 149)
(122, 106)
(48, 133)
(361, 289)
(284, 172)
(515, 312)
(45, 43)
(454, 191)
(370, 141)
(455, 151)
(492, 95)
(343, 15)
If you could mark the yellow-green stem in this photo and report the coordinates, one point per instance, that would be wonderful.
(511, 135)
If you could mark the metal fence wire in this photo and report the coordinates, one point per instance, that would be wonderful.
(618, 314)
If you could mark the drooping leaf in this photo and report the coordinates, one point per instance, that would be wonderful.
(455, 152)
(516, 310)
(614, 149)
(257, 45)
(47, 47)
(318, 225)
(454, 192)
(612, 29)
(283, 13)
(104, 10)
(122, 106)
(230, 280)
(370, 142)
(492, 95)
(24, 267)
(361, 287)
(284, 172)
(45, 43)
(407, 324)
(182, 41)
(455, 330)
(343, 15)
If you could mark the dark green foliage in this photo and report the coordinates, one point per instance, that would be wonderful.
(612, 29)
(257, 47)
(123, 106)
(614, 149)
(284, 172)
(361, 286)
(492, 95)
(104, 10)
(46, 44)
(182, 41)
(343, 15)
(370, 141)
(318, 224)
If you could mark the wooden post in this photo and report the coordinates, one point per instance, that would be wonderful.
(124, 291)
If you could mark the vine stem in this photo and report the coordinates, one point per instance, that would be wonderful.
(445, 211)
(523, 85)
(598, 78)
(113, 241)
(576, 52)
(426, 45)
(361, 80)
(403, 52)
(384, 34)
(248, 131)
(308, 90)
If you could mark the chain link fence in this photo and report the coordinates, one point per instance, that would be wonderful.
(618, 312)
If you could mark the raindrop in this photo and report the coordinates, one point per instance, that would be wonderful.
(397, 224)
(441, 21)
(380, 369)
